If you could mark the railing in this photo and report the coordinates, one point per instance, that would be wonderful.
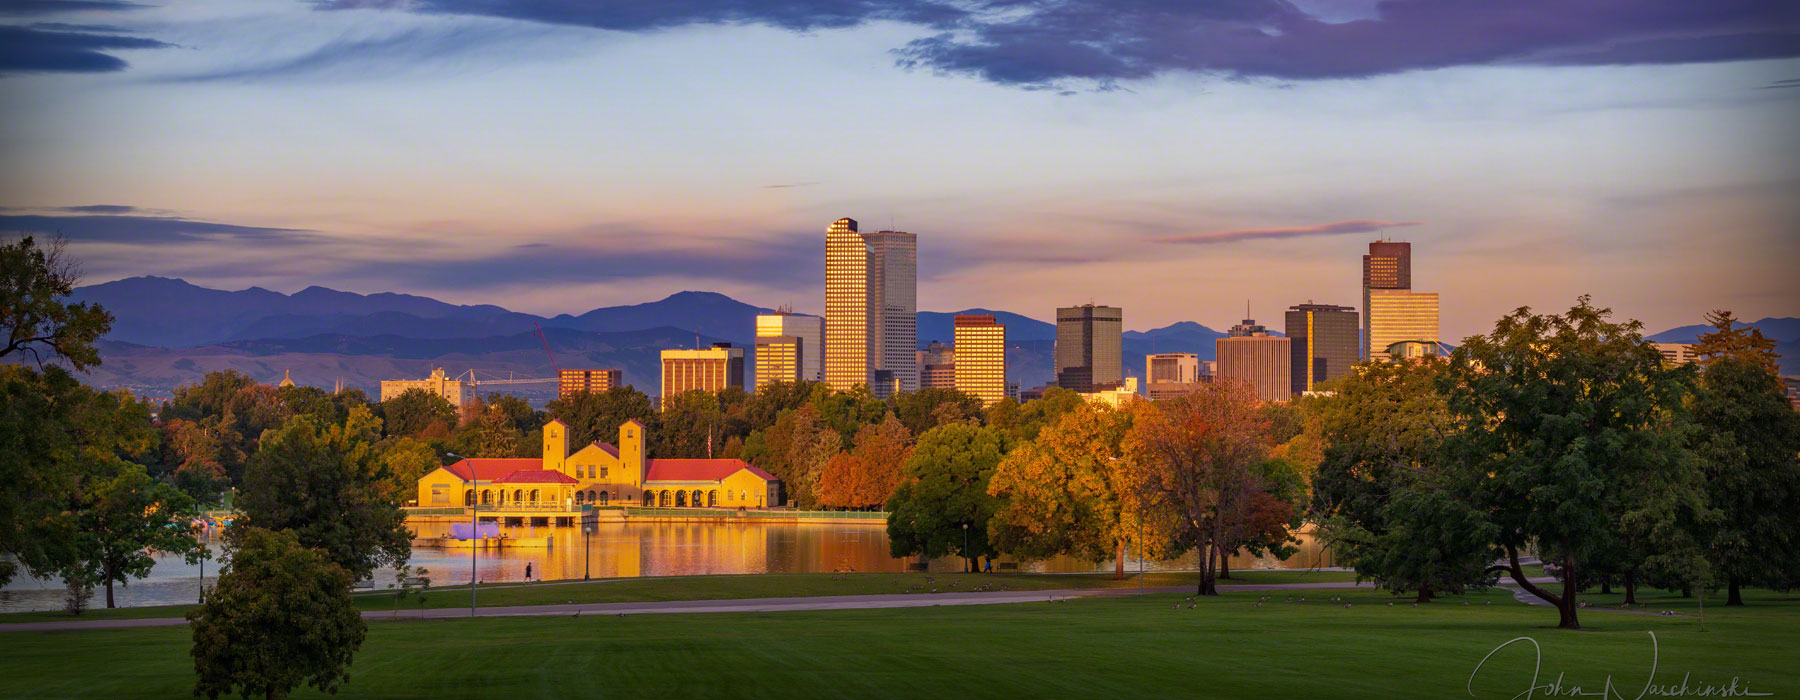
(734, 513)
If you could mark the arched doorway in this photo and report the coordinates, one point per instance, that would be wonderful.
(580, 497)
(487, 497)
(603, 498)
(518, 495)
(662, 499)
(469, 497)
(712, 498)
(680, 499)
(697, 498)
(534, 496)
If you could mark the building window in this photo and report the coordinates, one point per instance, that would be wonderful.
(603, 472)
(440, 493)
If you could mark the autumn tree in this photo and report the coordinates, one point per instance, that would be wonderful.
(1065, 492)
(867, 476)
(418, 413)
(943, 507)
(1196, 458)
(1023, 421)
(596, 416)
(797, 449)
(931, 407)
(279, 617)
(1561, 423)
(38, 321)
(327, 485)
(1747, 440)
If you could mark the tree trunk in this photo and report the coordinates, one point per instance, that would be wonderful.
(1734, 593)
(1567, 604)
(1224, 564)
(1631, 588)
(1606, 586)
(109, 583)
(1119, 565)
(1208, 585)
(1424, 595)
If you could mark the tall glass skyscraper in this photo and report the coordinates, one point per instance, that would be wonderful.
(871, 309)
(1324, 343)
(1089, 352)
(1387, 266)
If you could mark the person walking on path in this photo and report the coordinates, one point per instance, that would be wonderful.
(528, 571)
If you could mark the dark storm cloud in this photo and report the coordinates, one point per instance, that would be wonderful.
(637, 15)
(32, 50)
(33, 8)
(147, 230)
(1040, 42)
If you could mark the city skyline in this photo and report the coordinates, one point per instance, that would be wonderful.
(442, 152)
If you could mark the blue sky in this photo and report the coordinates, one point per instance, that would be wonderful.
(1172, 158)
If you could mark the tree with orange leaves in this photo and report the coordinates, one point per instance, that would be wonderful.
(1061, 493)
(867, 475)
(1194, 462)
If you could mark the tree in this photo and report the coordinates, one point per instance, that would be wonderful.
(944, 501)
(868, 475)
(1748, 437)
(418, 413)
(698, 423)
(37, 322)
(1024, 423)
(1380, 488)
(330, 489)
(596, 416)
(931, 407)
(1064, 493)
(279, 617)
(406, 460)
(797, 450)
(120, 519)
(1195, 457)
(1561, 423)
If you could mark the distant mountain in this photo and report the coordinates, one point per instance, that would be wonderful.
(1781, 330)
(941, 326)
(707, 313)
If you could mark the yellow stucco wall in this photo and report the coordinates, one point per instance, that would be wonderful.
(440, 483)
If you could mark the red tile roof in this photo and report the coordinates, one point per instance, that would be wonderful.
(699, 469)
(608, 448)
(492, 468)
(536, 476)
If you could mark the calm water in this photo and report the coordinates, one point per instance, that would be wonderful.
(625, 550)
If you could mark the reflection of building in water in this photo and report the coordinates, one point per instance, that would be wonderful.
(598, 474)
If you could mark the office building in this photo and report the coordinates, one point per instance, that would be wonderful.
(789, 347)
(981, 357)
(1117, 396)
(1262, 360)
(937, 366)
(1400, 315)
(1387, 266)
(570, 382)
(1676, 353)
(1171, 374)
(1323, 339)
(871, 309)
(716, 368)
(438, 383)
(1089, 341)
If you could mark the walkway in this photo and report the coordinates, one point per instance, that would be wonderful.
(846, 602)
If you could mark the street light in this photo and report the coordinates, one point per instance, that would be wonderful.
(971, 562)
(474, 526)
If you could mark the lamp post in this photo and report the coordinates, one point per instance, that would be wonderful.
(474, 527)
(965, 551)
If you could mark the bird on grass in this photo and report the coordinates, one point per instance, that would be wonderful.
(1390, 604)
(1346, 605)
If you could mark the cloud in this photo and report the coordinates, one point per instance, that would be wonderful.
(145, 230)
(637, 16)
(1333, 228)
(31, 50)
(32, 8)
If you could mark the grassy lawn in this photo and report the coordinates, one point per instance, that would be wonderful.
(1120, 647)
(635, 590)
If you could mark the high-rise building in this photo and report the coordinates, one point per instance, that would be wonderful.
(937, 366)
(1263, 360)
(1387, 266)
(1089, 341)
(871, 309)
(1171, 374)
(1324, 343)
(570, 382)
(794, 343)
(1676, 353)
(981, 357)
(1400, 315)
(438, 383)
(707, 369)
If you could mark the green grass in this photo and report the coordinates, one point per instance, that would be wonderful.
(635, 590)
(1118, 647)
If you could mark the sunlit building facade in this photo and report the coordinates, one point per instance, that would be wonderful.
(570, 382)
(981, 357)
(789, 348)
(1400, 315)
(937, 366)
(871, 309)
(1089, 348)
(438, 383)
(1171, 374)
(1262, 360)
(1676, 353)
(1324, 342)
(716, 368)
(1387, 266)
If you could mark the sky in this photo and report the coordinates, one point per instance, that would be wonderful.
(1177, 158)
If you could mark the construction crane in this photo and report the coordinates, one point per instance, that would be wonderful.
(472, 379)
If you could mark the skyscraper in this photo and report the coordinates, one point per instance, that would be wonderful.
(1089, 343)
(1171, 374)
(1263, 360)
(1324, 343)
(574, 381)
(1387, 266)
(709, 369)
(1400, 315)
(981, 357)
(871, 309)
(793, 342)
(937, 366)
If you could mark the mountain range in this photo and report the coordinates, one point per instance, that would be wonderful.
(168, 332)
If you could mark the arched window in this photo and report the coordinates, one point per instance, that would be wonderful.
(580, 497)
(487, 497)
(680, 499)
(662, 499)
(712, 498)
(534, 496)
(469, 497)
(603, 498)
(697, 498)
(518, 495)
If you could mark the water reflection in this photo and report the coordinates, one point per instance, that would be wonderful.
(630, 550)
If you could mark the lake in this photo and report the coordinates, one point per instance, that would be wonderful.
(629, 549)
